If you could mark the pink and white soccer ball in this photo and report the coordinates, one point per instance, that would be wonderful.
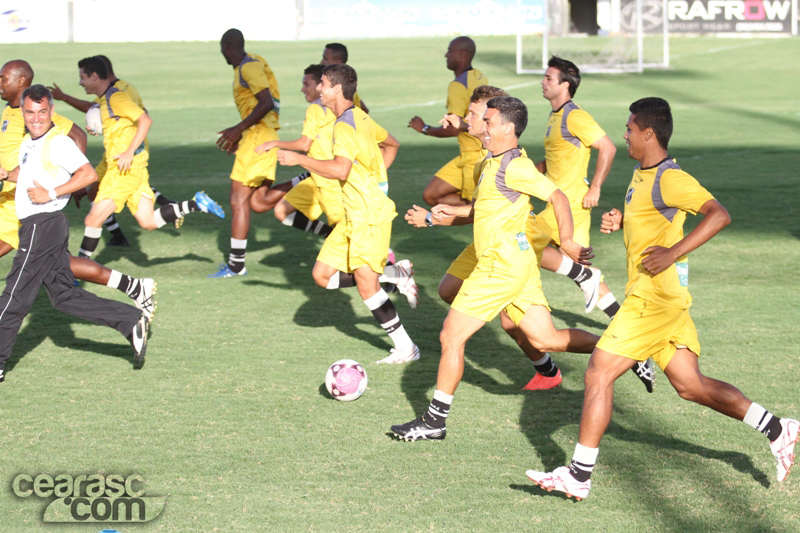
(346, 380)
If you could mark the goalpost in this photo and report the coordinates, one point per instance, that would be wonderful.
(636, 37)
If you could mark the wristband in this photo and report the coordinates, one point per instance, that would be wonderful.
(429, 220)
(52, 194)
(425, 129)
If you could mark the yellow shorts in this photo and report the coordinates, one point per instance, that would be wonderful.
(9, 223)
(642, 329)
(353, 244)
(581, 218)
(125, 189)
(536, 230)
(313, 198)
(101, 168)
(252, 169)
(504, 278)
(459, 173)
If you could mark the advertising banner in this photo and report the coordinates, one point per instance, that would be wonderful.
(712, 16)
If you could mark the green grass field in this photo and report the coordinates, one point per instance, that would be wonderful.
(229, 418)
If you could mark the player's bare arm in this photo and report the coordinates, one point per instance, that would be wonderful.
(611, 221)
(463, 213)
(303, 144)
(229, 138)
(715, 217)
(563, 214)
(605, 157)
(337, 168)
(77, 103)
(79, 137)
(419, 217)
(389, 148)
(541, 166)
(446, 130)
(125, 159)
(454, 121)
(82, 178)
(9, 175)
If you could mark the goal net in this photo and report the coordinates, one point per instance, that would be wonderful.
(633, 36)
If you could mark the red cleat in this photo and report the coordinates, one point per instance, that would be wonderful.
(540, 382)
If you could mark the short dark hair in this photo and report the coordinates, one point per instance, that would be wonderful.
(511, 110)
(567, 72)
(315, 71)
(234, 38)
(343, 75)
(653, 112)
(109, 66)
(486, 92)
(92, 65)
(339, 51)
(37, 93)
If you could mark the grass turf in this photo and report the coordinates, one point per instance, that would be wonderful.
(229, 418)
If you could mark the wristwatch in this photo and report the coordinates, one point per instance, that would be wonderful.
(429, 220)
(52, 194)
(425, 129)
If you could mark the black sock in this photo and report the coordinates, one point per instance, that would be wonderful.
(548, 368)
(112, 226)
(612, 309)
(579, 273)
(161, 199)
(437, 412)
(580, 471)
(773, 428)
(343, 280)
(129, 286)
(302, 222)
(89, 244)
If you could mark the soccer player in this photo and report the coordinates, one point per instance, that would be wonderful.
(111, 224)
(15, 77)
(506, 276)
(255, 92)
(311, 195)
(336, 54)
(454, 183)
(355, 253)
(127, 182)
(654, 319)
(51, 167)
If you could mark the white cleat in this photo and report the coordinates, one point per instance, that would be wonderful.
(591, 289)
(561, 480)
(405, 282)
(397, 357)
(146, 301)
(783, 447)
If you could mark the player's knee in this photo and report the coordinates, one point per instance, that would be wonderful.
(430, 197)
(320, 278)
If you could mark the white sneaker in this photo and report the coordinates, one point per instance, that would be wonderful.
(397, 357)
(783, 447)
(146, 301)
(591, 289)
(138, 340)
(561, 480)
(405, 282)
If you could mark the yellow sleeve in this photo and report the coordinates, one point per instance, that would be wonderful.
(380, 133)
(457, 99)
(313, 121)
(123, 106)
(62, 123)
(522, 176)
(679, 189)
(254, 75)
(582, 125)
(345, 141)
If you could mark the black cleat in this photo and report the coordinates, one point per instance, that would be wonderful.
(645, 371)
(138, 340)
(419, 429)
(118, 240)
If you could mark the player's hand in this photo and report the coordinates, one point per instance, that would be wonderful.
(452, 121)
(78, 196)
(416, 123)
(288, 158)
(265, 147)
(657, 260)
(57, 93)
(38, 194)
(576, 252)
(442, 211)
(592, 198)
(416, 216)
(611, 221)
(3, 174)
(124, 161)
(229, 139)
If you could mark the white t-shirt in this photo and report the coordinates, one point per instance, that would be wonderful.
(50, 160)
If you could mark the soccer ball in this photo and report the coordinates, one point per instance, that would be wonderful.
(94, 122)
(346, 380)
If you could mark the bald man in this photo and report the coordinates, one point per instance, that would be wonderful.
(454, 183)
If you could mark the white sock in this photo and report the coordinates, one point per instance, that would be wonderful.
(566, 266)
(757, 417)
(113, 279)
(289, 220)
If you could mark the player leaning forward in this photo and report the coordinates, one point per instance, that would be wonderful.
(355, 253)
(506, 277)
(654, 319)
(51, 167)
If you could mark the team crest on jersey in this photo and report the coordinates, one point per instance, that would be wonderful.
(629, 195)
(5, 125)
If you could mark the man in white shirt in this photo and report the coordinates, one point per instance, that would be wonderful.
(51, 167)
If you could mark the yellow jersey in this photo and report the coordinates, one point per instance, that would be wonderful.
(459, 93)
(252, 76)
(502, 199)
(119, 114)
(356, 136)
(570, 133)
(656, 204)
(12, 131)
